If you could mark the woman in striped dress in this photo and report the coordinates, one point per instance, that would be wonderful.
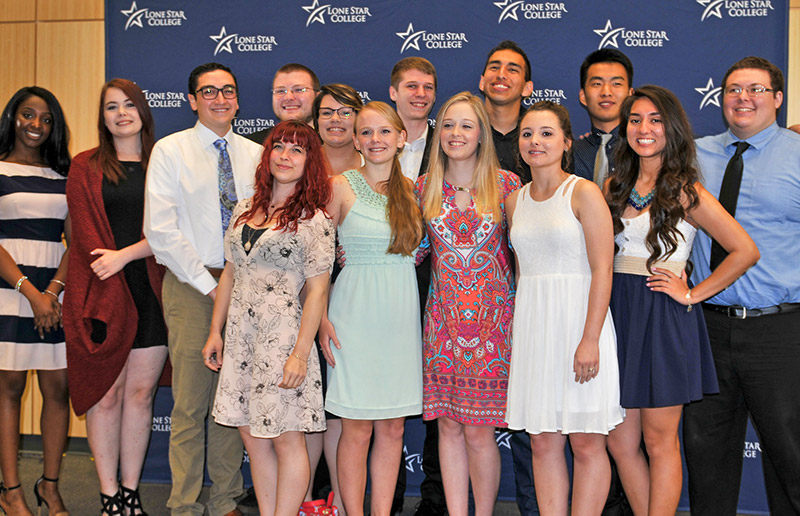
(34, 160)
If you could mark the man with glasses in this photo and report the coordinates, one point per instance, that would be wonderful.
(754, 325)
(194, 179)
(294, 89)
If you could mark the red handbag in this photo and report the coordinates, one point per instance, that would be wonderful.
(315, 507)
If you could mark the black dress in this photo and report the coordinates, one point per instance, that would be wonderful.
(124, 205)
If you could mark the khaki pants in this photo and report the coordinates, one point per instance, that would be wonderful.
(188, 316)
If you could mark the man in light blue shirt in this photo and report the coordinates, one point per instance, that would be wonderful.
(754, 325)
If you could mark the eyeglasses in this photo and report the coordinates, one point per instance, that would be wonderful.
(343, 112)
(297, 90)
(211, 92)
(752, 91)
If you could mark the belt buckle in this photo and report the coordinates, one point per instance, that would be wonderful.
(733, 315)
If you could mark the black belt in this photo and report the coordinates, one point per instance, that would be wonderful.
(740, 312)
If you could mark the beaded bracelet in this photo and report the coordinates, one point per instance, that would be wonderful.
(19, 283)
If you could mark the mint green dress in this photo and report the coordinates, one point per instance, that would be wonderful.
(374, 308)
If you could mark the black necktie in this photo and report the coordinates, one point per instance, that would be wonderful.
(728, 196)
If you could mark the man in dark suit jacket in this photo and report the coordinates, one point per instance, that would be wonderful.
(413, 89)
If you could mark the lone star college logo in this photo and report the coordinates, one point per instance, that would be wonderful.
(712, 8)
(411, 459)
(710, 94)
(410, 38)
(316, 12)
(224, 41)
(134, 15)
(608, 35)
(509, 9)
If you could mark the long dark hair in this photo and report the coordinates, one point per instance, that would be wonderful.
(677, 176)
(54, 150)
(106, 156)
(312, 193)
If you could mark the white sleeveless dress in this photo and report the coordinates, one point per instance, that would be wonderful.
(549, 318)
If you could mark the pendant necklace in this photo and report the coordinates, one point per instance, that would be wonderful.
(251, 232)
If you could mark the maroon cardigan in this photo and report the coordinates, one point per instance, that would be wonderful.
(92, 368)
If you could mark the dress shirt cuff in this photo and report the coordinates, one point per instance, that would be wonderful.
(205, 283)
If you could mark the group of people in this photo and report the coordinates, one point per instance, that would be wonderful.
(493, 272)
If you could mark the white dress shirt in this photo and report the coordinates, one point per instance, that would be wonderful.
(182, 220)
(411, 156)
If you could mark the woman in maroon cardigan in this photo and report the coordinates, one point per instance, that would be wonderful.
(115, 332)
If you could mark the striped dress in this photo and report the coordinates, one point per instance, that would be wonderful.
(33, 206)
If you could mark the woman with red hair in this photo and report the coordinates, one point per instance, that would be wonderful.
(280, 244)
(115, 332)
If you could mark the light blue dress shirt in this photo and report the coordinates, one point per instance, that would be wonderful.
(768, 209)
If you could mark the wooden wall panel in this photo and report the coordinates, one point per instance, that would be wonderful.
(32, 408)
(17, 10)
(18, 46)
(70, 61)
(68, 9)
(793, 87)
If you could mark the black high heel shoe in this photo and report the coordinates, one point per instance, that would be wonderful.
(112, 505)
(3, 491)
(40, 499)
(130, 499)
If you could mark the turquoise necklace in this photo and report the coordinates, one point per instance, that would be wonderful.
(638, 202)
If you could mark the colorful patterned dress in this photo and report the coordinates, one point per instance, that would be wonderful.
(467, 329)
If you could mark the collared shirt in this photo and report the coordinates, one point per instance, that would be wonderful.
(584, 152)
(182, 219)
(507, 147)
(411, 156)
(768, 209)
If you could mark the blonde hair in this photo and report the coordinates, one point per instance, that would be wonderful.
(402, 211)
(487, 192)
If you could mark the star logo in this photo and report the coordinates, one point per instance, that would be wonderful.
(134, 15)
(508, 9)
(710, 94)
(412, 459)
(503, 439)
(410, 38)
(315, 12)
(608, 35)
(712, 8)
(224, 41)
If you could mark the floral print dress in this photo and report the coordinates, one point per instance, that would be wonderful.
(262, 327)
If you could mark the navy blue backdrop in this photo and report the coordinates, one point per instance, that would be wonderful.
(684, 45)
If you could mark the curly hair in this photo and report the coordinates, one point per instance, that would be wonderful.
(676, 178)
(313, 192)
